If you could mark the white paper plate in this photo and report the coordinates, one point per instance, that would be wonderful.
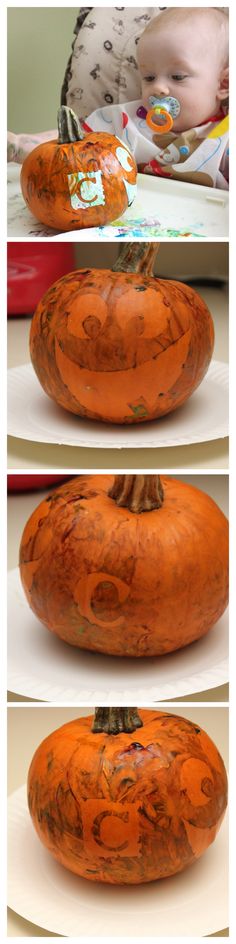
(32, 415)
(163, 208)
(40, 890)
(42, 666)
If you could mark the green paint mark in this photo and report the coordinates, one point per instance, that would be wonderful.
(50, 760)
(139, 410)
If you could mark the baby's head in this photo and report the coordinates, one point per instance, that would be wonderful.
(183, 53)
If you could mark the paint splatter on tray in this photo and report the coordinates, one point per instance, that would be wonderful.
(144, 227)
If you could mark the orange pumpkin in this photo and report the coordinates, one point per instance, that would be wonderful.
(129, 565)
(126, 806)
(79, 180)
(121, 346)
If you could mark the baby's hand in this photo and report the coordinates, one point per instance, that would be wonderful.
(19, 145)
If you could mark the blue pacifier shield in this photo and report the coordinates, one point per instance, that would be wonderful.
(170, 104)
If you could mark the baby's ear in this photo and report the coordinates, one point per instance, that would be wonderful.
(223, 90)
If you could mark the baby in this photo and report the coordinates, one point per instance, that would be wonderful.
(183, 64)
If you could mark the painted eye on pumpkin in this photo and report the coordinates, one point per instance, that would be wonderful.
(101, 591)
(86, 189)
(114, 829)
(124, 159)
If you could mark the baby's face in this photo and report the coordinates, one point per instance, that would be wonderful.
(183, 64)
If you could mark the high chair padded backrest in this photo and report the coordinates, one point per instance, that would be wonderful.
(102, 69)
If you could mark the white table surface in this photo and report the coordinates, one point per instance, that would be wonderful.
(162, 208)
(209, 455)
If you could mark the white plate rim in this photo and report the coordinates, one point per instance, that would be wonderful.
(218, 370)
(22, 683)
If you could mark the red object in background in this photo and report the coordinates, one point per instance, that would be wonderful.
(29, 483)
(31, 269)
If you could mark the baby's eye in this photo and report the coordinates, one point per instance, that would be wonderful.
(178, 77)
(148, 78)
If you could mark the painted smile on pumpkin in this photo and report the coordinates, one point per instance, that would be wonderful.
(145, 354)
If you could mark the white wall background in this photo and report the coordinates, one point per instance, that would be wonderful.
(39, 46)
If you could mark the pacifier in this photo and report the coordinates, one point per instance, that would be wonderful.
(162, 113)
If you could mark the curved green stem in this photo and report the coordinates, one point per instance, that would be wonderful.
(139, 493)
(136, 257)
(116, 720)
(69, 127)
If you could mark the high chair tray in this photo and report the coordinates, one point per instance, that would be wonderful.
(163, 208)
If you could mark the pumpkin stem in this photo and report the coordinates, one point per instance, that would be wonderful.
(136, 257)
(137, 492)
(69, 127)
(116, 720)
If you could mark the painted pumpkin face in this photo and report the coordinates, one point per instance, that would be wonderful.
(128, 808)
(82, 184)
(111, 580)
(121, 347)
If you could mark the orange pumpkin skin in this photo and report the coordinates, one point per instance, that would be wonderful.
(120, 347)
(128, 808)
(106, 579)
(50, 190)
